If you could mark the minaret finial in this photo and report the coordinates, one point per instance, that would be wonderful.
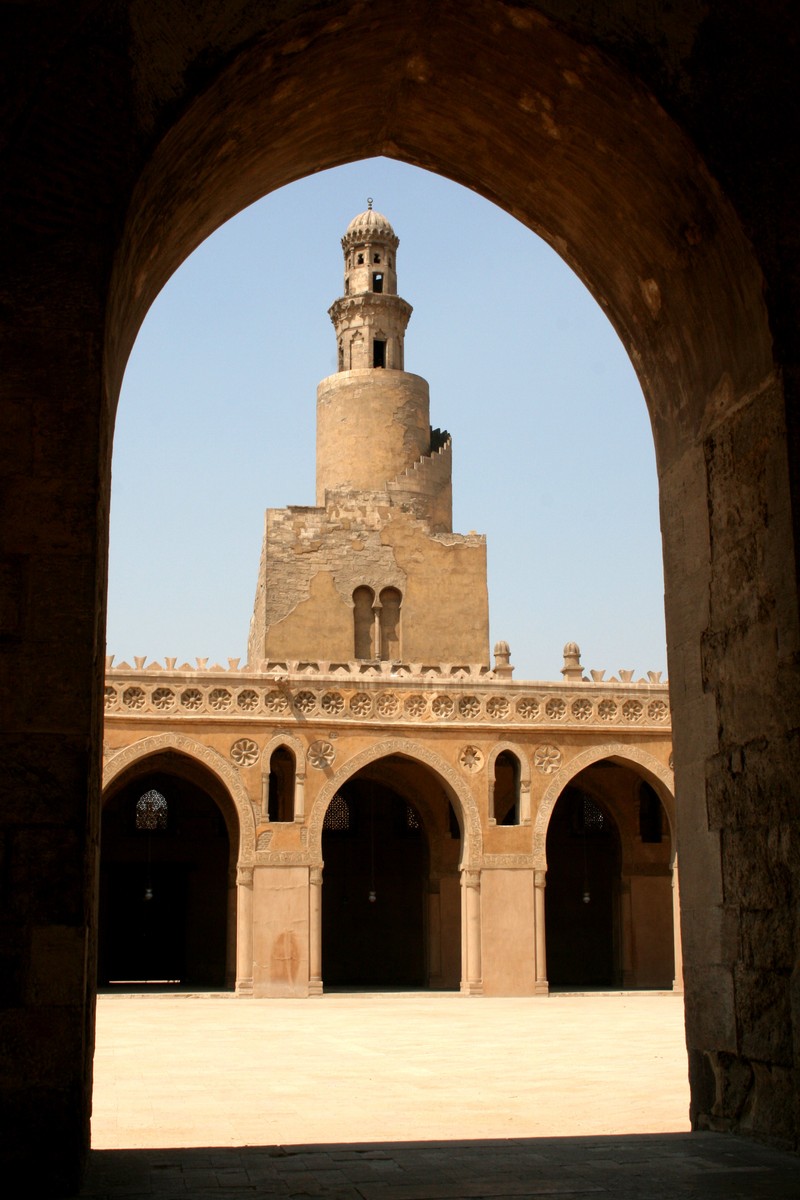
(369, 202)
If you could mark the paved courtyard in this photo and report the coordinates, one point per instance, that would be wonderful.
(406, 1097)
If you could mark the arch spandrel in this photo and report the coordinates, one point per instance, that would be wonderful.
(587, 758)
(225, 772)
(472, 849)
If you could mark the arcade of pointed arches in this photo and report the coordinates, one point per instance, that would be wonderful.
(464, 804)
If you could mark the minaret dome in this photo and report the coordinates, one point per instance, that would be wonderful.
(370, 318)
(370, 254)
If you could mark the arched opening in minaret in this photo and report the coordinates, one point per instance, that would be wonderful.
(609, 898)
(391, 915)
(363, 622)
(169, 846)
(391, 600)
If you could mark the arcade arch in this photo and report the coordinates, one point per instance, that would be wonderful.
(627, 201)
(457, 790)
(227, 777)
(390, 881)
(594, 162)
(649, 767)
(169, 849)
(611, 913)
(394, 828)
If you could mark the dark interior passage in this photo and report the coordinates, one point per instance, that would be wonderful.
(582, 894)
(165, 854)
(609, 896)
(374, 889)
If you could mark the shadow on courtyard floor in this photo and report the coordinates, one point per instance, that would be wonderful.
(651, 1166)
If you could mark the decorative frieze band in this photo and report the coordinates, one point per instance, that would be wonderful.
(493, 703)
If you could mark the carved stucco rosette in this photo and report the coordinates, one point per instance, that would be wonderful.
(321, 754)
(547, 759)
(471, 759)
(244, 752)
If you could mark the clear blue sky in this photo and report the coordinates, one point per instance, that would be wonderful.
(552, 449)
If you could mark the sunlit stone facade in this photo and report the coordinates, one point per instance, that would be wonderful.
(370, 801)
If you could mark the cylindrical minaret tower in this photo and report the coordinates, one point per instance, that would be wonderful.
(373, 421)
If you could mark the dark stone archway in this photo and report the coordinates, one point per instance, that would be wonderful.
(582, 896)
(374, 891)
(646, 149)
(610, 837)
(391, 904)
(165, 872)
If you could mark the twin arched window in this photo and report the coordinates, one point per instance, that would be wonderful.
(376, 623)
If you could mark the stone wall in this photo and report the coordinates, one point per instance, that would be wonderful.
(314, 559)
(645, 148)
(394, 405)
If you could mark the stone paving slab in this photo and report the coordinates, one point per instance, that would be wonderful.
(700, 1166)
(199, 1071)
(408, 1097)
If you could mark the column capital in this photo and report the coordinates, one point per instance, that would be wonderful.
(472, 878)
(540, 879)
(244, 877)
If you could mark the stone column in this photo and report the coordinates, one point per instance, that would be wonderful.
(244, 931)
(315, 931)
(265, 796)
(626, 933)
(677, 982)
(299, 795)
(231, 938)
(434, 934)
(541, 986)
(472, 976)
(376, 629)
(524, 802)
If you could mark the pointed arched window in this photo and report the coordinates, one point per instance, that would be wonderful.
(280, 800)
(151, 811)
(505, 800)
(390, 599)
(363, 621)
